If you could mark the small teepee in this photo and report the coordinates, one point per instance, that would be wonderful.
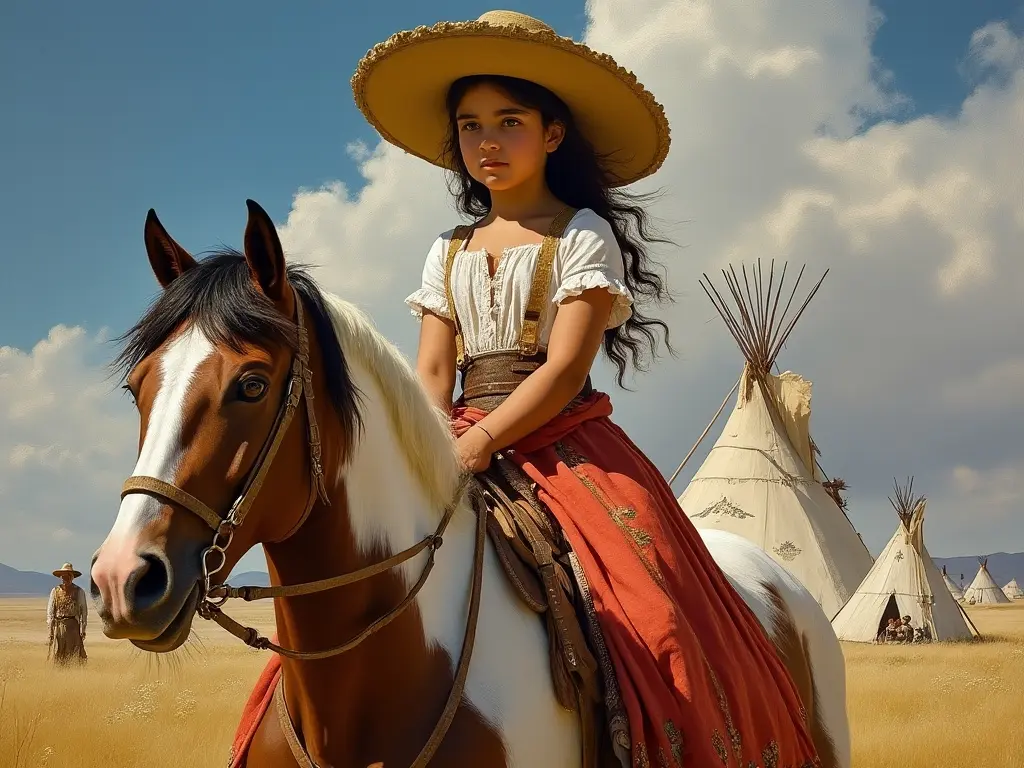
(954, 589)
(1013, 590)
(903, 582)
(761, 480)
(984, 590)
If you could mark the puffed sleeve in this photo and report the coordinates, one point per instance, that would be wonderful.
(589, 257)
(430, 295)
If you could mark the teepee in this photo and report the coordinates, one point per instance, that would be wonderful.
(984, 590)
(1013, 590)
(761, 479)
(954, 589)
(903, 581)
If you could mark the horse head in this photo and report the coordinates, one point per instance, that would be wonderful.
(257, 428)
(225, 369)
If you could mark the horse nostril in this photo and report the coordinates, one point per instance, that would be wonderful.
(152, 585)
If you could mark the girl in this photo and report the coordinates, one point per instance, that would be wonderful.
(539, 132)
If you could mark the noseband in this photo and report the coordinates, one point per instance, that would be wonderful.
(213, 596)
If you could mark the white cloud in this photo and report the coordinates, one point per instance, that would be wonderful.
(997, 386)
(994, 47)
(919, 220)
(994, 495)
(65, 435)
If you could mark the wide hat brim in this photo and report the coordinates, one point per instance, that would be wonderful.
(67, 569)
(401, 85)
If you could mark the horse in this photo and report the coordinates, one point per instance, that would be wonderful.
(261, 395)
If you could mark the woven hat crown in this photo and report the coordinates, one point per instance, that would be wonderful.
(401, 86)
(514, 19)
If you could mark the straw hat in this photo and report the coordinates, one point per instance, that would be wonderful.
(401, 85)
(67, 568)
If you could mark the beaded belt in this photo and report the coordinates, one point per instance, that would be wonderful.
(491, 377)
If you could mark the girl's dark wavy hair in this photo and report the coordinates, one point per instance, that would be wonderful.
(576, 176)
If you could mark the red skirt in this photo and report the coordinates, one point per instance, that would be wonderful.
(700, 681)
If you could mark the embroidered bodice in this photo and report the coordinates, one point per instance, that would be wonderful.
(587, 257)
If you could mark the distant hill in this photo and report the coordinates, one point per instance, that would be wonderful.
(255, 579)
(1003, 567)
(14, 582)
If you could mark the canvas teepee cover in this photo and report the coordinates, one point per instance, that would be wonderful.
(1013, 590)
(984, 590)
(760, 479)
(954, 589)
(903, 581)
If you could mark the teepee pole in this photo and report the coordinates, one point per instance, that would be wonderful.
(754, 322)
(705, 432)
(964, 612)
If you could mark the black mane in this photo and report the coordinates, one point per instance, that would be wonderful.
(218, 296)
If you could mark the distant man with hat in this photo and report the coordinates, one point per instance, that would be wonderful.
(67, 614)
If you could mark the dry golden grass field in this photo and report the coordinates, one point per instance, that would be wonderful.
(938, 706)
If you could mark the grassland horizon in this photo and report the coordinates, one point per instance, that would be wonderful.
(926, 706)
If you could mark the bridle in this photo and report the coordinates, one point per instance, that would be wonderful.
(212, 596)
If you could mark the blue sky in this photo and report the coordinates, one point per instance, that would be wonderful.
(113, 108)
(109, 109)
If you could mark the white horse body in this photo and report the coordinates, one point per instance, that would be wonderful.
(751, 571)
(397, 478)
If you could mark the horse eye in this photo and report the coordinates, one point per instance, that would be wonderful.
(252, 389)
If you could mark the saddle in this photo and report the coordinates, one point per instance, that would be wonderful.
(535, 558)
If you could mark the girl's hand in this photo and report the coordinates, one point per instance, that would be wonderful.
(475, 449)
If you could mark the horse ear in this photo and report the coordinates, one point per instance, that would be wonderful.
(168, 259)
(264, 253)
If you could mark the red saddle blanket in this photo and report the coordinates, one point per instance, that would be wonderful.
(256, 707)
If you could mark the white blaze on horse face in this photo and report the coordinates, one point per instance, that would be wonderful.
(162, 449)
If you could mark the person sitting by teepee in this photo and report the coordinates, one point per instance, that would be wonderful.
(880, 635)
(905, 630)
(892, 631)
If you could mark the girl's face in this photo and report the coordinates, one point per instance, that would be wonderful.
(503, 144)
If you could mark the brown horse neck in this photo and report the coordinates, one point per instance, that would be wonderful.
(345, 708)
(378, 702)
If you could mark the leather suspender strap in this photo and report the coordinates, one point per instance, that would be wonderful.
(459, 236)
(542, 283)
(539, 286)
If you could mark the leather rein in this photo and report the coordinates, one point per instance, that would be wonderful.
(212, 596)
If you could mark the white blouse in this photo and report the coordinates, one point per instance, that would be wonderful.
(588, 257)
